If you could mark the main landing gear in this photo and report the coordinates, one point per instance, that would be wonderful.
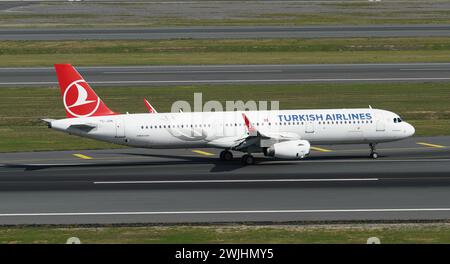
(248, 159)
(373, 153)
(226, 155)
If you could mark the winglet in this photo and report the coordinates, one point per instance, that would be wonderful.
(150, 108)
(251, 130)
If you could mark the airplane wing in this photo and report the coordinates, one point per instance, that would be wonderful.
(150, 108)
(226, 142)
(254, 138)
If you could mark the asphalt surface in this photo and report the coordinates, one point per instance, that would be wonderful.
(180, 75)
(234, 32)
(410, 181)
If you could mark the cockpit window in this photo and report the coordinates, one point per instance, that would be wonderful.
(397, 120)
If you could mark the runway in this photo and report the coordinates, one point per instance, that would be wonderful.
(230, 32)
(410, 181)
(234, 74)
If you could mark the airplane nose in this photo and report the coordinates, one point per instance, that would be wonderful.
(410, 130)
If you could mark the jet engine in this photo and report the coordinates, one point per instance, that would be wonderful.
(294, 149)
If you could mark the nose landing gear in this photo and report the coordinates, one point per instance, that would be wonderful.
(373, 153)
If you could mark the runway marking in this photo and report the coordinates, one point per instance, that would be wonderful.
(382, 149)
(430, 145)
(81, 156)
(427, 69)
(368, 160)
(321, 149)
(203, 152)
(198, 71)
(206, 212)
(245, 81)
(237, 181)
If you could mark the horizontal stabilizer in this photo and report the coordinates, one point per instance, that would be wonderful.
(83, 127)
(48, 121)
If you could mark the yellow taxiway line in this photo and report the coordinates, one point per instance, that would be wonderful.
(321, 149)
(202, 152)
(430, 145)
(81, 156)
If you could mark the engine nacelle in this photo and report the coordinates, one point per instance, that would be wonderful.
(294, 149)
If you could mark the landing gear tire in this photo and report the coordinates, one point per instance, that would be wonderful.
(374, 155)
(226, 155)
(248, 159)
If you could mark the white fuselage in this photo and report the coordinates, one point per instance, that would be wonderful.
(219, 129)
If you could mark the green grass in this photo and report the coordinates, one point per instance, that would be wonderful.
(245, 51)
(357, 233)
(425, 105)
(339, 14)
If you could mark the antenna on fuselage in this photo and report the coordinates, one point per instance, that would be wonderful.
(370, 107)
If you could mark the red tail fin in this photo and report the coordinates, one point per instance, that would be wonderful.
(78, 97)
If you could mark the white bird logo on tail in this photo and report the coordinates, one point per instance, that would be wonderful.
(82, 96)
(81, 100)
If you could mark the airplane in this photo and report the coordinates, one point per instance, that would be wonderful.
(284, 134)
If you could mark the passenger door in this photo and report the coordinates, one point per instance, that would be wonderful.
(120, 128)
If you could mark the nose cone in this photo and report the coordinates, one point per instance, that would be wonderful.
(409, 130)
